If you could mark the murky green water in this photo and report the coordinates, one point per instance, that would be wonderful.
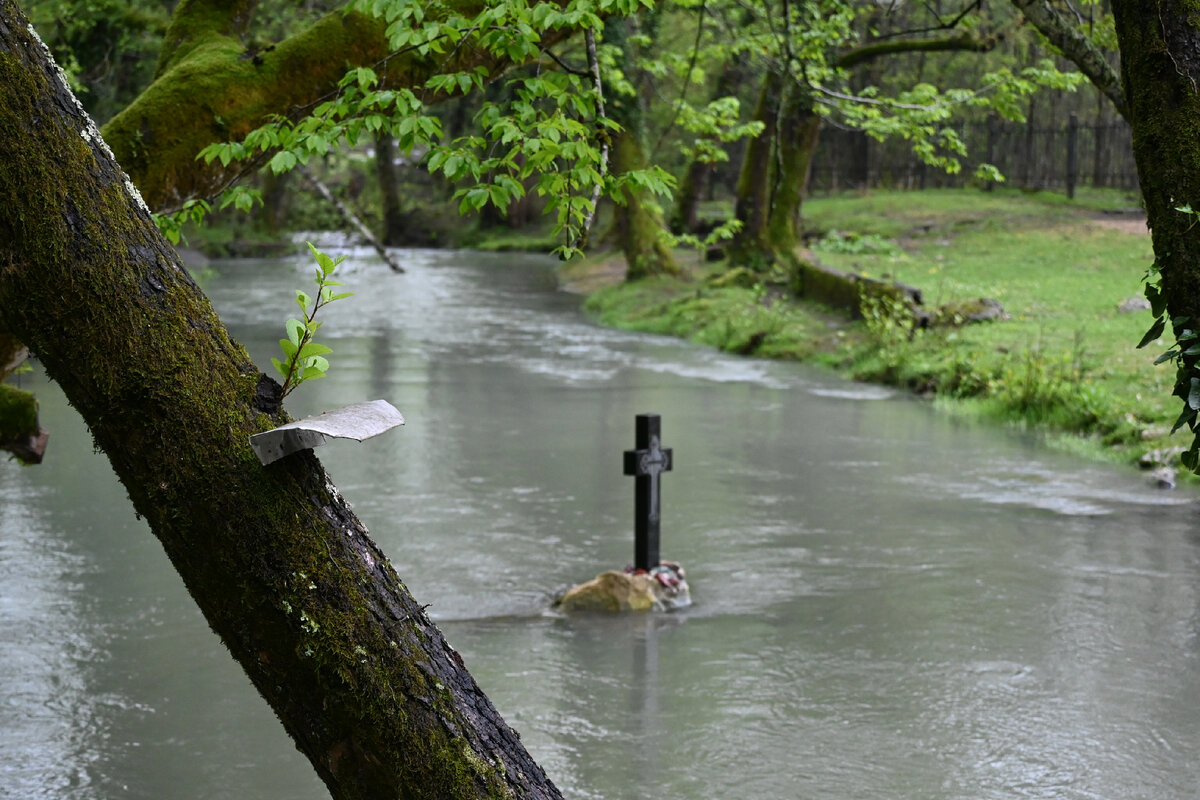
(888, 604)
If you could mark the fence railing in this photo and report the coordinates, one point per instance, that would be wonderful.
(1052, 158)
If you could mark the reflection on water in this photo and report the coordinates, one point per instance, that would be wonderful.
(888, 603)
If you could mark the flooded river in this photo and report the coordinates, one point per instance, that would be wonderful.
(888, 603)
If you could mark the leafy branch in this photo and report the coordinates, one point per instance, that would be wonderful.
(303, 358)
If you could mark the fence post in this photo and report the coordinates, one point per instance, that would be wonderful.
(1072, 153)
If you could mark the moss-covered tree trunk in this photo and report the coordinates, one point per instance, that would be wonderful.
(637, 225)
(751, 247)
(774, 175)
(637, 222)
(283, 571)
(796, 143)
(685, 216)
(393, 233)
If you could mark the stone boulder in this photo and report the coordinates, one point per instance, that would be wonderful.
(663, 588)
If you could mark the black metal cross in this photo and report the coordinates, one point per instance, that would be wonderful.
(646, 463)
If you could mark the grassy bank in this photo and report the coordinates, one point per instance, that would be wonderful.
(1064, 361)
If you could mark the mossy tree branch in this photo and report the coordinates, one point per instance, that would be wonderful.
(1078, 49)
(195, 22)
(963, 43)
(210, 89)
(281, 568)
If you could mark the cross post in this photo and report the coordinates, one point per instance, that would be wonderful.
(646, 463)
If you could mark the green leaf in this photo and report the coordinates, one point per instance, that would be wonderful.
(280, 367)
(1167, 356)
(1158, 303)
(281, 162)
(1193, 398)
(312, 372)
(303, 300)
(312, 349)
(295, 331)
(1186, 416)
(1155, 331)
(1191, 457)
(288, 347)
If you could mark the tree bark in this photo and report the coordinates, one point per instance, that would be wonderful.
(1160, 71)
(637, 223)
(393, 234)
(752, 245)
(797, 133)
(283, 571)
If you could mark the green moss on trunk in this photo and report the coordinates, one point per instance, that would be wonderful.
(798, 128)
(1160, 69)
(636, 225)
(752, 245)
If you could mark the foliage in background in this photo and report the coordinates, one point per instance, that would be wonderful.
(547, 130)
(107, 48)
(1065, 361)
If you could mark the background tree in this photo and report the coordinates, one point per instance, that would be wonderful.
(638, 227)
(812, 61)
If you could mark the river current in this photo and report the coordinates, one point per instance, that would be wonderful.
(888, 603)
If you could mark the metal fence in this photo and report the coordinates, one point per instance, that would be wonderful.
(1058, 158)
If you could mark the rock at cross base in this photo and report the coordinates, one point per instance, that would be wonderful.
(663, 588)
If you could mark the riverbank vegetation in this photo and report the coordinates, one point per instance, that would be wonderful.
(1063, 359)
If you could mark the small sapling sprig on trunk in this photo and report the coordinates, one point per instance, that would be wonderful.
(303, 358)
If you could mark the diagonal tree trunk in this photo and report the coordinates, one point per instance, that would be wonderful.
(283, 571)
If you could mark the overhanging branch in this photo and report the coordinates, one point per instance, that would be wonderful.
(870, 52)
(1077, 48)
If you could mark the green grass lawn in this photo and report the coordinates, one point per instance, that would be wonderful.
(1065, 361)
